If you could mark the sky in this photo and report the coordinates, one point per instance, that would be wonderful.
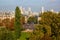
(34, 4)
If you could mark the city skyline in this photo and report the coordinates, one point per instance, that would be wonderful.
(35, 5)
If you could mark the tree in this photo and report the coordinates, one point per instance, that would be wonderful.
(51, 19)
(22, 20)
(49, 25)
(17, 24)
(32, 19)
(1, 23)
(12, 24)
(37, 33)
(6, 34)
(6, 22)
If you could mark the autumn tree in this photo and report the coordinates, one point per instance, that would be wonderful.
(51, 19)
(1, 23)
(12, 24)
(49, 25)
(22, 20)
(6, 22)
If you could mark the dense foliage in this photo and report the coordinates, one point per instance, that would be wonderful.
(32, 19)
(50, 26)
(17, 24)
(5, 34)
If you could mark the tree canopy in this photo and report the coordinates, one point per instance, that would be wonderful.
(17, 24)
(50, 26)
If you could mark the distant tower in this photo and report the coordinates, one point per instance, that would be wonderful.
(21, 10)
(42, 9)
(30, 11)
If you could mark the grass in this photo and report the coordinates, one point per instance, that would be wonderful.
(25, 35)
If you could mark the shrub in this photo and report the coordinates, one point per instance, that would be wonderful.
(6, 34)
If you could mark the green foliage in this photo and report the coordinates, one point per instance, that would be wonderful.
(37, 33)
(40, 31)
(53, 37)
(32, 19)
(52, 20)
(49, 26)
(46, 37)
(6, 34)
(25, 35)
(17, 24)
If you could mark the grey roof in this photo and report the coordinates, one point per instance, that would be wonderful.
(28, 26)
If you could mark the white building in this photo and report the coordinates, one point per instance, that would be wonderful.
(4, 15)
(42, 10)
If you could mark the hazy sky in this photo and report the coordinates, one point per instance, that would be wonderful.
(34, 4)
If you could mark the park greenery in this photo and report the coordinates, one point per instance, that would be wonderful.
(48, 28)
(32, 19)
(17, 23)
